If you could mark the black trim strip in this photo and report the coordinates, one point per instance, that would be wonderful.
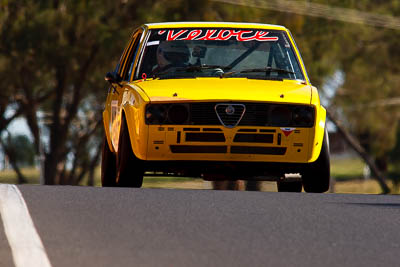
(192, 129)
(204, 137)
(212, 130)
(254, 138)
(258, 150)
(247, 131)
(198, 149)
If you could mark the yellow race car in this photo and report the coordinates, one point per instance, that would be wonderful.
(214, 100)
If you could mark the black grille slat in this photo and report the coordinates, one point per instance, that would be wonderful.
(204, 114)
(198, 149)
(254, 138)
(205, 137)
(258, 150)
(256, 115)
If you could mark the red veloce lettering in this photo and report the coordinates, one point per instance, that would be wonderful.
(208, 36)
(192, 35)
(245, 39)
(172, 37)
(238, 34)
(219, 35)
(260, 36)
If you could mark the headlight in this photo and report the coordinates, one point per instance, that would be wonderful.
(156, 114)
(291, 116)
(303, 116)
(280, 116)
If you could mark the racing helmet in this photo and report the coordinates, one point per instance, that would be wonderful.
(174, 53)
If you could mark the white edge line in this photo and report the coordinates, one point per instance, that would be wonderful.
(26, 246)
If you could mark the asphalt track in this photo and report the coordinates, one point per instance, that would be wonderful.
(81, 226)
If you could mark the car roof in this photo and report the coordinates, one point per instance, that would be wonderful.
(207, 24)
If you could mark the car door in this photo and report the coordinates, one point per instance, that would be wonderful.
(124, 69)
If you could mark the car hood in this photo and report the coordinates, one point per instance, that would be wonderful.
(226, 89)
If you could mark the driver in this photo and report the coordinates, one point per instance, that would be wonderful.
(171, 54)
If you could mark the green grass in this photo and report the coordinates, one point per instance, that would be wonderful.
(345, 169)
(9, 176)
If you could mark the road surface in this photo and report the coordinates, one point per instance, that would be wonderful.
(83, 226)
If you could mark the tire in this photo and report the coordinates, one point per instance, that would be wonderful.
(289, 186)
(316, 176)
(108, 166)
(129, 168)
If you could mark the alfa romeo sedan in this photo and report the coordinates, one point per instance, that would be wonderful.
(214, 100)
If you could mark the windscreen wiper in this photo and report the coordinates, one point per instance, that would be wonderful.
(266, 70)
(191, 68)
(202, 67)
(157, 74)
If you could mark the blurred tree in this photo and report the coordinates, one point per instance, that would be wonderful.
(21, 148)
(54, 52)
(371, 80)
(20, 152)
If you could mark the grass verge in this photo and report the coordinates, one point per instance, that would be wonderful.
(347, 173)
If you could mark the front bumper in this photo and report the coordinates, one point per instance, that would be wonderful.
(218, 143)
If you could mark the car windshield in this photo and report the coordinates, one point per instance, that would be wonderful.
(225, 53)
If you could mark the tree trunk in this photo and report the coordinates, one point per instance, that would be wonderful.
(361, 152)
(51, 172)
(21, 179)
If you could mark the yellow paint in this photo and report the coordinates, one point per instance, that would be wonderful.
(316, 136)
(234, 89)
(211, 24)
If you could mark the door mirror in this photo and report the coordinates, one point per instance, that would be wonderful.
(113, 77)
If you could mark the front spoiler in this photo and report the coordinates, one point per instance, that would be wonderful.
(265, 171)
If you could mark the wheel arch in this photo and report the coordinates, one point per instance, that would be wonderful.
(317, 138)
(106, 123)
(137, 130)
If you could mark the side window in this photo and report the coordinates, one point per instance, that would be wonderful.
(130, 59)
(120, 64)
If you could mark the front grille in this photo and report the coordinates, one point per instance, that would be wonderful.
(256, 114)
(203, 114)
(233, 114)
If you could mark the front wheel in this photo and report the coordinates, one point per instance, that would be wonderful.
(316, 175)
(129, 168)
